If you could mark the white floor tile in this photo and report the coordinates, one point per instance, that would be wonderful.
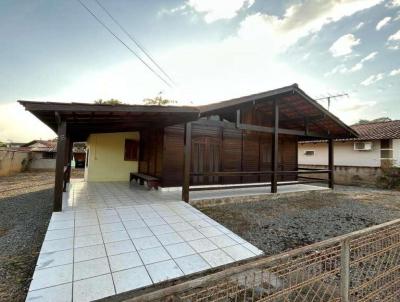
(124, 261)
(54, 258)
(161, 229)
(192, 264)
(63, 224)
(200, 223)
(146, 243)
(210, 231)
(153, 255)
(51, 276)
(134, 224)
(93, 288)
(86, 222)
(202, 245)
(91, 268)
(131, 279)
(169, 238)
(119, 247)
(88, 240)
(89, 252)
(59, 293)
(59, 234)
(253, 249)
(154, 221)
(181, 226)
(216, 258)
(223, 241)
(139, 232)
(238, 252)
(57, 245)
(112, 227)
(165, 270)
(115, 236)
(173, 219)
(179, 250)
(191, 235)
(87, 230)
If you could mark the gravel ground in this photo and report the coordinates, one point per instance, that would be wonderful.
(25, 210)
(289, 222)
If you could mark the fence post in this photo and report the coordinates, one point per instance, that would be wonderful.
(345, 270)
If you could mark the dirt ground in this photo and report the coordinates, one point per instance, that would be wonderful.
(289, 222)
(25, 211)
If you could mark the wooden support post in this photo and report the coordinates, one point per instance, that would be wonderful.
(59, 179)
(187, 161)
(345, 270)
(238, 122)
(331, 166)
(275, 149)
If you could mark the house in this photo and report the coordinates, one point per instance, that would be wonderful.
(42, 154)
(358, 160)
(247, 141)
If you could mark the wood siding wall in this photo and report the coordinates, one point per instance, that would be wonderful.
(221, 149)
(151, 152)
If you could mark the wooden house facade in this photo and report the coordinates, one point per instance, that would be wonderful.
(247, 141)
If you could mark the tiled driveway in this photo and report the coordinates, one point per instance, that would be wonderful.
(111, 238)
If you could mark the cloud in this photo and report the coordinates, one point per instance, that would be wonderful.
(343, 69)
(372, 79)
(395, 72)
(212, 10)
(383, 23)
(395, 37)
(359, 25)
(344, 45)
(393, 3)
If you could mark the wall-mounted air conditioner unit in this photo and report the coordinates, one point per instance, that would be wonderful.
(362, 146)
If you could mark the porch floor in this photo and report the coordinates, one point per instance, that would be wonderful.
(112, 237)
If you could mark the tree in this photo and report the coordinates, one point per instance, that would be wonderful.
(2, 144)
(377, 120)
(107, 102)
(159, 101)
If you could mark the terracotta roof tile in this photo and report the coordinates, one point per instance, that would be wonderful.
(380, 130)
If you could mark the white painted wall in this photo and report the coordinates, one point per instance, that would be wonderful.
(344, 154)
(396, 152)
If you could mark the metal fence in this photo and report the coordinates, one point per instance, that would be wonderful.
(360, 266)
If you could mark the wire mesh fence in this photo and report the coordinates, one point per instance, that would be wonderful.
(360, 266)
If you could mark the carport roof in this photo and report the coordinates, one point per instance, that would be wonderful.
(85, 118)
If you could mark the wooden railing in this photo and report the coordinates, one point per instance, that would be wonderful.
(306, 180)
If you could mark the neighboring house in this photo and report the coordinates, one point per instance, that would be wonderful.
(358, 160)
(43, 154)
(246, 141)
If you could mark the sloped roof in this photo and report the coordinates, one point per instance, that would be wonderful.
(379, 130)
(41, 146)
(295, 107)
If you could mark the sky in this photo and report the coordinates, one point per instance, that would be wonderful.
(54, 50)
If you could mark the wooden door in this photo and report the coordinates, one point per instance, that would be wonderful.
(206, 157)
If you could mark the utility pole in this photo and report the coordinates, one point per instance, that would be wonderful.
(328, 98)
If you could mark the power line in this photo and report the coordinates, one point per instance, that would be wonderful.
(122, 42)
(141, 47)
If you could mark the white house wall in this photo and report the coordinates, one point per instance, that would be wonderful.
(396, 152)
(344, 154)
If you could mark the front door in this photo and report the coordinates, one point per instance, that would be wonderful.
(206, 157)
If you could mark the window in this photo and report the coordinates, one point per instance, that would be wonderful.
(309, 153)
(49, 155)
(131, 150)
(386, 149)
